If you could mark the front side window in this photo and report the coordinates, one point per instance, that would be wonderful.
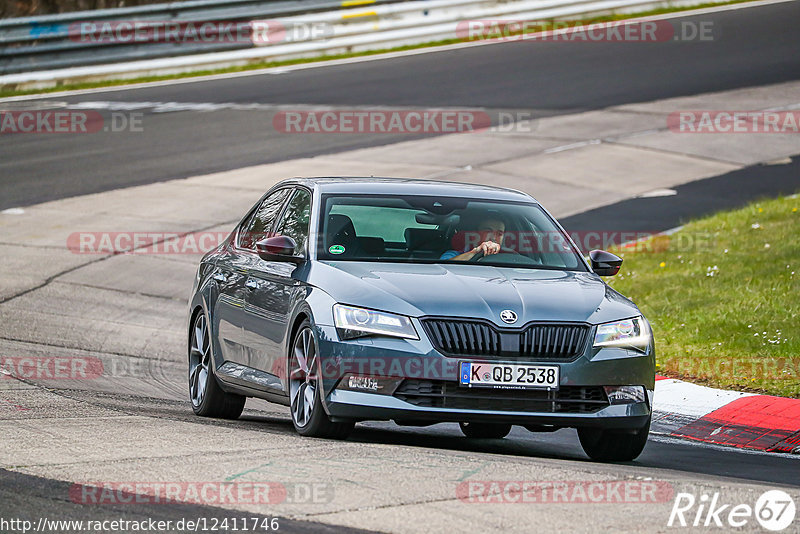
(296, 217)
(261, 222)
(417, 229)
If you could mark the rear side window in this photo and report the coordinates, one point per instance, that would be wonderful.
(261, 222)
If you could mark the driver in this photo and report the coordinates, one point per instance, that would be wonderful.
(491, 231)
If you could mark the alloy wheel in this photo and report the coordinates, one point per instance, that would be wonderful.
(303, 381)
(199, 360)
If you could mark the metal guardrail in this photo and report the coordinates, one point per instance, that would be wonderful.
(51, 41)
(352, 26)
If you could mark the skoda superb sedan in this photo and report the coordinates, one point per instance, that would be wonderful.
(353, 299)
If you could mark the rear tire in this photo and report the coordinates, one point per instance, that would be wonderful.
(613, 445)
(305, 394)
(485, 430)
(208, 398)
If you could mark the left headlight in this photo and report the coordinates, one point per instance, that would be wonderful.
(628, 334)
(352, 322)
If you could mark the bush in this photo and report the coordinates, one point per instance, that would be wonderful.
(28, 8)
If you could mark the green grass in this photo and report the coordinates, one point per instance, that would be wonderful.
(7, 90)
(723, 296)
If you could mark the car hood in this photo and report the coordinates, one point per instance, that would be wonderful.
(472, 290)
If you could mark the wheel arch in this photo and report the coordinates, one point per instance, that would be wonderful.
(301, 315)
(198, 309)
(199, 305)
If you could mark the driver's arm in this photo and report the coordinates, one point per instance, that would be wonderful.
(487, 247)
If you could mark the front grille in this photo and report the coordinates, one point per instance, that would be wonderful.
(478, 338)
(441, 394)
(463, 337)
(557, 341)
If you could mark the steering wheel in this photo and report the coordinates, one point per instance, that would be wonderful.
(478, 255)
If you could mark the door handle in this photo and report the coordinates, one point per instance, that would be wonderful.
(251, 284)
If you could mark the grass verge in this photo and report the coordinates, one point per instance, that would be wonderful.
(270, 64)
(723, 296)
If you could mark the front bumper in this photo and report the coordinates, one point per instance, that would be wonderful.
(416, 364)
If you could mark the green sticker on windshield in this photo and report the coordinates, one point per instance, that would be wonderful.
(336, 249)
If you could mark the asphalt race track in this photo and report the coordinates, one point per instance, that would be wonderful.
(33, 497)
(693, 200)
(396, 478)
(751, 47)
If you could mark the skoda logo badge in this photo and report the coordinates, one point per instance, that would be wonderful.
(508, 316)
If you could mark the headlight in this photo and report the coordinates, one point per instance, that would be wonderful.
(628, 333)
(354, 322)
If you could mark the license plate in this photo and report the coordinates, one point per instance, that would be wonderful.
(508, 375)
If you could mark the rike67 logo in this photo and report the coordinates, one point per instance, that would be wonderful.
(774, 510)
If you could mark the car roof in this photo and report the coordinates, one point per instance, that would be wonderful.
(406, 186)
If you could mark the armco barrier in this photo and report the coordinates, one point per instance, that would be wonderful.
(370, 25)
(48, 42)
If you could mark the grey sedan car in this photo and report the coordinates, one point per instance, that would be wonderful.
(421, 302)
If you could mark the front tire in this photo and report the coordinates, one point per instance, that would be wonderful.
(208, 398)
(305, 394)
(485, 430)
(613, 445)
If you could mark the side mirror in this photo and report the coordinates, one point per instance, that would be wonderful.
(278, 248)
(605, 263)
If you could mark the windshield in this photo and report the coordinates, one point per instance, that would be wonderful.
(417, 229)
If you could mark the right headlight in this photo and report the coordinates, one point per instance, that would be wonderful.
(352, 322)
(628, 334)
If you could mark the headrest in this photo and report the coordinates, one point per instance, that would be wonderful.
(340, 226)
(424, 238)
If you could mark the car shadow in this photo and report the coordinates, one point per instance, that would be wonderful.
(659, 454)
